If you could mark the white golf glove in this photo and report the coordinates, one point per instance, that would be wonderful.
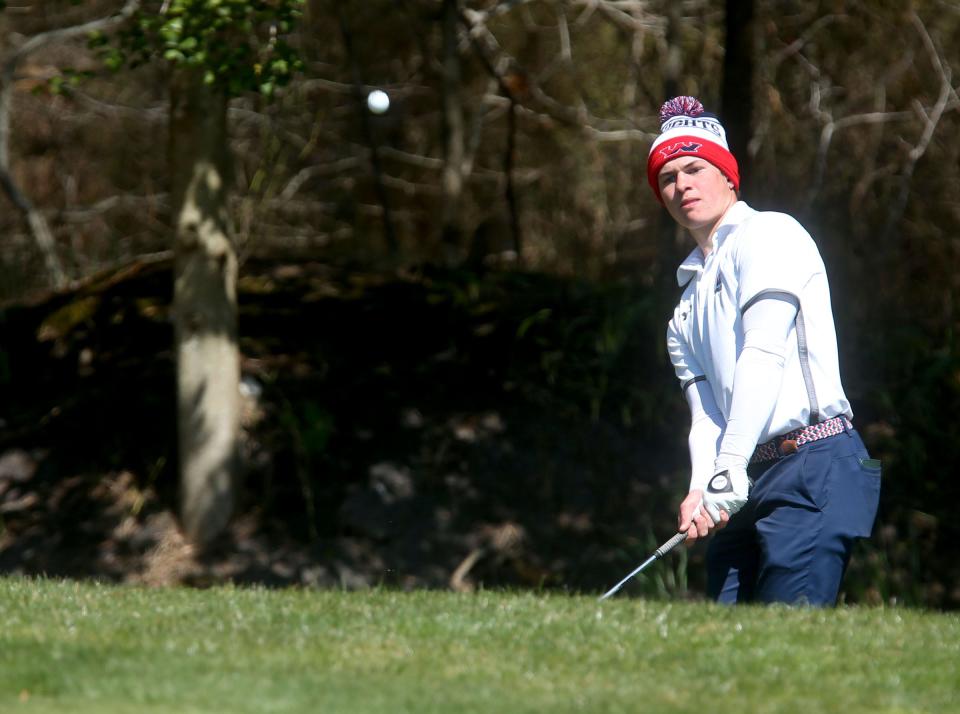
(726, 491)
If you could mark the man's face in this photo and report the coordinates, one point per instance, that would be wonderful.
(696, 193)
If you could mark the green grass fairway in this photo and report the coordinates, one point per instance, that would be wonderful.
(68, 647)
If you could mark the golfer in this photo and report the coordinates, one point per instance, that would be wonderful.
(779, 476)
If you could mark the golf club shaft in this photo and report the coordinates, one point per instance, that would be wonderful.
(657, 554)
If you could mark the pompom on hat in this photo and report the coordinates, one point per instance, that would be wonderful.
(687, 130)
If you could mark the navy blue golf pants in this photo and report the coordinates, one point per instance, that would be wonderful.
(792, 540)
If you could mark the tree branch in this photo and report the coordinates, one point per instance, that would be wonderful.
(8, 67)
(38, 228)
(947, 99)
(66, 33)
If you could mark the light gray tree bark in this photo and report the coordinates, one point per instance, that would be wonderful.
(204, 308)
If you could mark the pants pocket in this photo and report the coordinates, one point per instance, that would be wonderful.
(855, 493)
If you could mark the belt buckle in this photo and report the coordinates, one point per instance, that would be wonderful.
(787, 447)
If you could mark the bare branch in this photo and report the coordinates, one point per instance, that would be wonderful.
(11, 61)
(304, 175)
(83, 214)
(410, 188)
(566, 53)
(946, 100)
(826, 137)
(620, 134)
(795, 47)
(330, 85)
(106, 109)
(62, 34)
(946, 90)
(38, 228)
(630, 15)
(930, 120)
(480, 17)
(8, 67)
(574, 116)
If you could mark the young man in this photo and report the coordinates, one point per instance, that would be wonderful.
(778, 474)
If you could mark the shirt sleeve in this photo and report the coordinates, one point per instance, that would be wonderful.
(706, 428)
(757, 378)
(774, 255)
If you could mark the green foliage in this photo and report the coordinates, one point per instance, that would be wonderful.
(68, 317)
(67, 79)
(312, 426)
(591, 347)
(92, 648)
(237, 45)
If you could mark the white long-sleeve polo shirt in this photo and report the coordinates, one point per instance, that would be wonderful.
(755, 255)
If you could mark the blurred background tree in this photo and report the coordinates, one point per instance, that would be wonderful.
(216, 50)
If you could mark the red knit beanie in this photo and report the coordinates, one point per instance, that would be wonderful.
(687, 130)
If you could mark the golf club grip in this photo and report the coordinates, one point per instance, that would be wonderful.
(671, 544)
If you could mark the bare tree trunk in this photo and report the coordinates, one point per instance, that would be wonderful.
(673, 58)
(738, 66)
(454, 133)
(204, 308)
(671, 240)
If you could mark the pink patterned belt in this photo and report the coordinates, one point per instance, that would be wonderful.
(788, 443)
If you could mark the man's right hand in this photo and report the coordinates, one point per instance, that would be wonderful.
(694, 519)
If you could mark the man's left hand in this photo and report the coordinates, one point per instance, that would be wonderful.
(726, 492)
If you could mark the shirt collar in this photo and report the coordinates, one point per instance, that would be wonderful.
(690, 266)
(734, 216)
(694, 262)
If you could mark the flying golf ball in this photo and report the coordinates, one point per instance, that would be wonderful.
(378, 102)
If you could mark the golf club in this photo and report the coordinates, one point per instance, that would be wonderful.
(657, 554)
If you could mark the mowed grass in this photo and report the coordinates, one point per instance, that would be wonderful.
(71, 647)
